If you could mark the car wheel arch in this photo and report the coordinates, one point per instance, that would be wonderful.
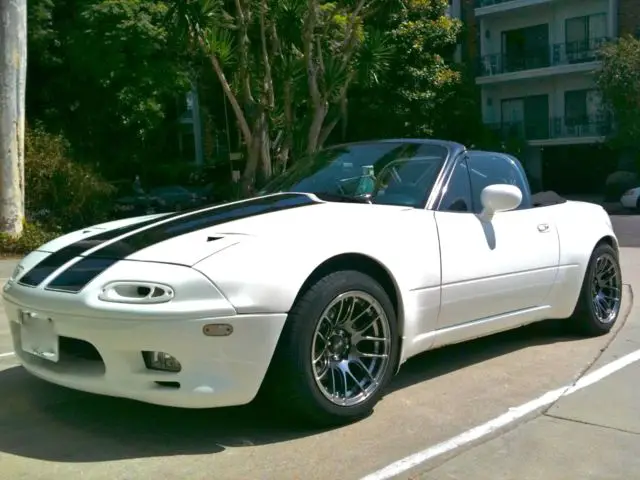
(609, 240)
(367, 265)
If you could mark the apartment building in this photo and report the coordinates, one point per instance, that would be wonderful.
(535, 70)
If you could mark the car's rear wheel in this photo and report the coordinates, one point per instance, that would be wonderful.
(600, 299)
(338, 350)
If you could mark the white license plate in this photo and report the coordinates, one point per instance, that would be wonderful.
(38, 336)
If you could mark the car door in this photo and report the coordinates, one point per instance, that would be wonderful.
(489, 268)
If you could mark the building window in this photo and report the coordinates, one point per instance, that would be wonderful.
(584, 36)
(526, 117)
(583, 112)
(526, 48)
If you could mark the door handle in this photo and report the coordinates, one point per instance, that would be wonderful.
(543, 227)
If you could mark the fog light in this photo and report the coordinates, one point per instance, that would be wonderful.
(161, 361)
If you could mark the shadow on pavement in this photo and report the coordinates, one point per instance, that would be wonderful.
(42, 421)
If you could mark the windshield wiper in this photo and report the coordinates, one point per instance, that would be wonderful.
(336, 197)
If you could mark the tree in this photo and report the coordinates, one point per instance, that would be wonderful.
(104, 73)
(619, 82)
(420, 79)
(13, 75)
(276, 59)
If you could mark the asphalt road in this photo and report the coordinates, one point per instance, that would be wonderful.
(48, 432)
(627, 228)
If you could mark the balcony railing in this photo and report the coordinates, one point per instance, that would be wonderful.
(488, 3)
(556, 128)
(557, 54)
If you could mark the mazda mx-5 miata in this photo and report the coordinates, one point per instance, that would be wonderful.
(315, 291)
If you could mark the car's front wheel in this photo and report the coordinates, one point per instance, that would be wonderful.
(338, 350)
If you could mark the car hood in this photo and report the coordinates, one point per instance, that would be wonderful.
(188, 237)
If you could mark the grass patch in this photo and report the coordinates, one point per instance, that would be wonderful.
(33, 236)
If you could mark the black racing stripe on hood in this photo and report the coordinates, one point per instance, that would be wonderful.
(50, 264)
(200, 220)
(78, 275)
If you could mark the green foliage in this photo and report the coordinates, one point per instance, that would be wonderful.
(104, 73)
(619, 81)
(60, 192)
(33, 236)
(419, 78)
(109, 75)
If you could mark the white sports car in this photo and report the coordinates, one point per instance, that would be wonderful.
(318, 289)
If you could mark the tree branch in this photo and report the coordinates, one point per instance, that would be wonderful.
(350, 33)
(268, 79)
(243, 49)
(342, 99)
(242, 120)
(308, 37)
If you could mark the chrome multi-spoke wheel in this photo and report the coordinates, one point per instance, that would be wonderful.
(606, 288)
(598, 305)
(338, 351)
(351, 347)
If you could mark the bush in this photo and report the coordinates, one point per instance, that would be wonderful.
(33, 236)
(61, 193)
(617, 183)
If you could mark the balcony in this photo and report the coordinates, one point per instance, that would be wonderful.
(489, 3)
(559, 130)
(556, 55)
(487, 7)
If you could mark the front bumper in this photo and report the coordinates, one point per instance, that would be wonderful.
(101, 352)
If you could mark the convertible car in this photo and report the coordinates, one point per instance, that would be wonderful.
(314, 292)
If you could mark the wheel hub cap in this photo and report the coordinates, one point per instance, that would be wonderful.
(338, 344)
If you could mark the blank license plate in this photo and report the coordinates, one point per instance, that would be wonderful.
(38, 336)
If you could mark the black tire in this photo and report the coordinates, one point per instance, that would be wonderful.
(585, 320)
(638, 205)
(290, 381)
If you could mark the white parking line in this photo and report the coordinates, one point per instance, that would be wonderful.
(512, 415)
(8, 354)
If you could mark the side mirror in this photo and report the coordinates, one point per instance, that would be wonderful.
(499, 198)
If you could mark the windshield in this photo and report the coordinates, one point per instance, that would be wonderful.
(390, 173)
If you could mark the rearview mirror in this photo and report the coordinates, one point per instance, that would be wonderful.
(499, 198)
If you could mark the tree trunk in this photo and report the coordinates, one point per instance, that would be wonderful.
(283, 156)
(319, 114)
(265, 152)
(254, 154)
(13, 76)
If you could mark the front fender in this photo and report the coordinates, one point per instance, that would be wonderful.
(264, 278)
(264, 275)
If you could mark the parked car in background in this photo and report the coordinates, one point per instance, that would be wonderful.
(631, 198)
(175, 197)
(162, 199)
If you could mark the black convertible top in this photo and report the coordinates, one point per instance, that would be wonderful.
(546, 199)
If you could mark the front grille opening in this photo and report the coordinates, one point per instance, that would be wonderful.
(73, 347)
(174, 385)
